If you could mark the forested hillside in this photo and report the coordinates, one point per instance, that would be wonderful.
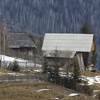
(42, 16)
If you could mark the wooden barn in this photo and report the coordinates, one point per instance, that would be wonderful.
(68, 46)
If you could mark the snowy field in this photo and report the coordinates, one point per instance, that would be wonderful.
(89, 80)
(7, 60)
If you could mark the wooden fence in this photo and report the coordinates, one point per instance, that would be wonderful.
(23, 78)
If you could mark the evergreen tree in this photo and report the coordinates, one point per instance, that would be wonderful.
(76, 71)
(45, 67)
(15, 67)
(86, 29)
(54, 74)
(55, 68)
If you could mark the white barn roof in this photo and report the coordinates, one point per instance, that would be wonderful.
(68, 42)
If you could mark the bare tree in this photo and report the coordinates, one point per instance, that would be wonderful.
(3, 38)
(31, 36)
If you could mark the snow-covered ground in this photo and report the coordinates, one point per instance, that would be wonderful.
(91, 80)
(7, 60)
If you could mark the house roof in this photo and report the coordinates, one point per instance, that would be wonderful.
(68, 42)
(18, 40)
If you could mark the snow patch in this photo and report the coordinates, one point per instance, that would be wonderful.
(63, 74)
(13, 74)
(38, 70)
(56, 98)
(40, 90)
(73, 94)
(7, 60)
(91, 80)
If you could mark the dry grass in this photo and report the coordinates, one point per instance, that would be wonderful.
(90, 74)
(30, 70)
(28, 91)
(96, 86)
(4, 70)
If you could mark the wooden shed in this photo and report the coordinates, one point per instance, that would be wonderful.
(21, 43)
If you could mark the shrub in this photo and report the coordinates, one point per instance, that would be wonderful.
(45, 67)
(67, 82)
(98, 96)
(53, 75)
(14, 67)
(87, 90)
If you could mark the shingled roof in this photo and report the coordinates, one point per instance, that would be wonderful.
(18, 40)
(66, 44)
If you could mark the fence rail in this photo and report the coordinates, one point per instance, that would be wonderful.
(23, 78)
(27, 64)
